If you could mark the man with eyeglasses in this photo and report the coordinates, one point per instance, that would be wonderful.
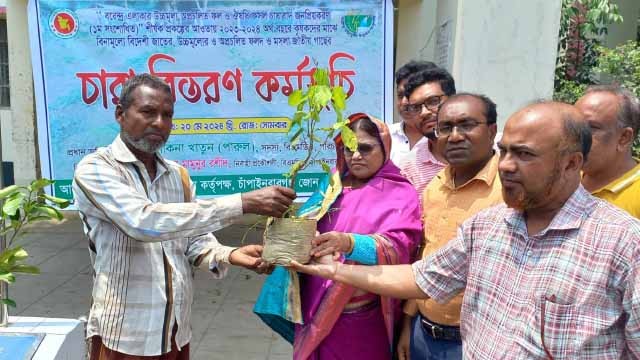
(465, 131)
(406, 133)
(553, 273)
(425, 91)
(612, 173)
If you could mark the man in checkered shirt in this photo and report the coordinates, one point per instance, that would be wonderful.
(551, 274)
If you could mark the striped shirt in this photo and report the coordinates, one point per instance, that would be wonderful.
(568, 292)
(420, 166)
(144, 240)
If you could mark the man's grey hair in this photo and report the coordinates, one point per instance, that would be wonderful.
(154, 82)
(628, 105)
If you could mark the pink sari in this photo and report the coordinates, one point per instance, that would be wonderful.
(387, 209)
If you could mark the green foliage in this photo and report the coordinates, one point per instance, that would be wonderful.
(569, 91)
(309, 104)
(582, 24)
(21, 206)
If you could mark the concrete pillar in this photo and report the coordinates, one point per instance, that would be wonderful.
(26, 164)
(504, 49)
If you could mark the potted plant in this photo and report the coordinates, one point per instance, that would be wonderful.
(289, 238)
(21, 206)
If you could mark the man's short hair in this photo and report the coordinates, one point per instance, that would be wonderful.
(437, 74)
(411, 68)
(154, 82)
(628, 105)
(490, 109)
(577, 135)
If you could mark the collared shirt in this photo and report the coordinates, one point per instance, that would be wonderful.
(623, 192)
(572, 288)
(445, 208)
(144, 240)
(400, 145)
(420, 166)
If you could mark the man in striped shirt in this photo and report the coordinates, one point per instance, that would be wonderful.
(612, 174)
(553, 274)
(147, 231)
(426, 91)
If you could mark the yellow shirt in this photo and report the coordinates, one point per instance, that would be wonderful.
(445, 208)
(624, 192)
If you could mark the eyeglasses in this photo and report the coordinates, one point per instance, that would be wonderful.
(364, 149)
(464, 127)
(432, 103)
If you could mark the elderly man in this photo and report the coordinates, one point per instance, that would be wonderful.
(146, 231)
(465, 131)
(425, 91)
(406, 133)
(552, 274)
(612, 174)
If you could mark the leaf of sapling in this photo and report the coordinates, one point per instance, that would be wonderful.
(9, 278)
(321, 77)
(12, 205)
(49, 211)
(25, 269)
(62, 203)
(37, 185)
(339, 98)
(322, 96)
(8, 301)
(325, 167)
(296, 98)
(9, 190)
(349, 138)
(296, 135)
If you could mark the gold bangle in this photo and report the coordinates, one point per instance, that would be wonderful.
(352, 243)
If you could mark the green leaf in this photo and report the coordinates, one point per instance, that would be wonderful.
(325, 167)
(47, 210)
(9, 190)
(8, 302)
(62, 203)
(11, 255)
(25, 269)
(349, 138)
(296, 98)
(321, 77)
(294, 138)
(12, 205)
(322, 96)
(37, 185)
(9, 278)
(295, 168)
(339, 97)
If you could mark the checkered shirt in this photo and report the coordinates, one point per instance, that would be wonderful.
(569, 292)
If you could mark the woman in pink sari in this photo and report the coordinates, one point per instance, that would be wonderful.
(372, 216)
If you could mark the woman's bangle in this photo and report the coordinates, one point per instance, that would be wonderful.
(352, 243)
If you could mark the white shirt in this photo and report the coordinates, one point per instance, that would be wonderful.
(400, 143)
(144, 240)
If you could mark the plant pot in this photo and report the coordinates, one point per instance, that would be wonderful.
(288, 239)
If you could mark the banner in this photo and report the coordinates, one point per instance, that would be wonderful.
(230, 65)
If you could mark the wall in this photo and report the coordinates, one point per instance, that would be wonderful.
(506, 50)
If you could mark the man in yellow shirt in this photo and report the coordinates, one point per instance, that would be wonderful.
(611, 173)
(465, 131)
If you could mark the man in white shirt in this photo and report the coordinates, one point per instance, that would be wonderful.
(406, 133)
(146, 231)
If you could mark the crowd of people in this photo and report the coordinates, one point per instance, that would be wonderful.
(438, 237)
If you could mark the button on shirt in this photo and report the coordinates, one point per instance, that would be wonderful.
(624, 192)
(400, 148)
(572, 288)
(420, 166)
(445, 208)
(144, 240)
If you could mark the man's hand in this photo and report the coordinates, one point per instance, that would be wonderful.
(330, 243)
(404, 342)
(250, 257)
(325, 266)
(270, 201)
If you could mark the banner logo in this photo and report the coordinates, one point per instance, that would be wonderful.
(358, 25)
(63, 23)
